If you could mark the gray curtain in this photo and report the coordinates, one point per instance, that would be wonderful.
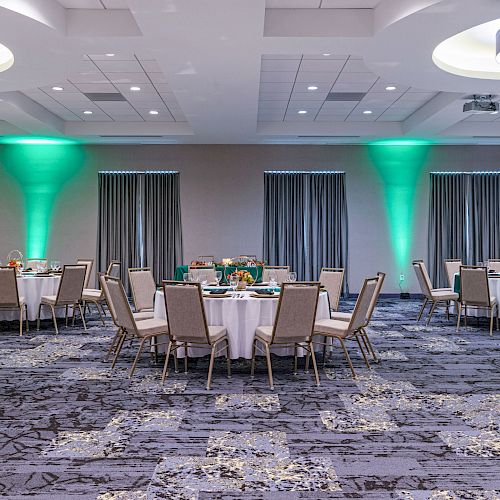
(447, 237)
(161, 209)
(484, 219)
(305, 221)
(118, 216)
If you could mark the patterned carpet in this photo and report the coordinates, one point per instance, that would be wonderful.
(422, 424)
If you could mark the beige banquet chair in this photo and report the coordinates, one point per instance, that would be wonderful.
(494, 264)
(332, 278)
(452, 267)
(188, 325)
(433, 295)
(350, 330)
(69, 293)
(89, 263)
(293, 325)
(146, 329)
(143, 288)
(280, 272)
(138, 316)
(33, 264)
(342, 316)
(202, 273)
(9, 296)
(475, 293)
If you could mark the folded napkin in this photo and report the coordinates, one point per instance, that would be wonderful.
(217, 291)
(264, 292)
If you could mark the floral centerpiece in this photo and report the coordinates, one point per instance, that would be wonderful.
(244, 278)
(15, 259)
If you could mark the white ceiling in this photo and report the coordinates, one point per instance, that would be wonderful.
(238, 71)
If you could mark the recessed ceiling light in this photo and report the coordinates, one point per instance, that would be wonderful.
(135, 89)
(326, 55)
(153, 112)
(110, 55)
(6, 58)
(312, 87)
(302, 112)
(367, 112)
(390, 87)
(87, 112)
(57, 88)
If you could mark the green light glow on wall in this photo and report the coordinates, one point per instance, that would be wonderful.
(41, 166)
(400, 162)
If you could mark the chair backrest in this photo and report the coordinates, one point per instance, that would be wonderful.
(332, 279)
(123, 314)
(281, 273)
(200, 273)
(296, 312)
(107, 296)
(422, 277)
(34, 263)
(373, 303)
(71, 284)
(9, 295)
(244, 258)
(114, 269)
(89, 263)
(143, 287)
(185, 312)
(452, 267)
(494, 264)
(206, 258)
(474, 286)
(365, 297)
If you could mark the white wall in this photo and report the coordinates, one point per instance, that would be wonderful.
(222, 199)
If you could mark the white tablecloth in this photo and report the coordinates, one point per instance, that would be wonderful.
(32, 288)
(241, 317)
(494, 284)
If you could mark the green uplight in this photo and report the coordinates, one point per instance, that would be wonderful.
(400, 162)
(41, 166)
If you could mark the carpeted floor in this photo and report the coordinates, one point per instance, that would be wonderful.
(422, 424)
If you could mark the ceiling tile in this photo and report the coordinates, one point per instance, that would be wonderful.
(330, 56)
(280, 65)
(312, 77)
(309, 96)
(273, 105)
(151, 66)
(162, 87)
(293, 4)
(146, 88)
(302, 87)
(97, 87)
(351, 87)
(281, 56)
(89, 77)
(278, 76)
(157, 78)
(357, 78)
(276, 87)
(356, 66)
(322, 65)
(128, 77)
(119, 56)
(119, 66)
(381, 85)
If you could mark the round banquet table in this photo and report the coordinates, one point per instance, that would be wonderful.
(241, 316)
(32, 288)
(494, 284)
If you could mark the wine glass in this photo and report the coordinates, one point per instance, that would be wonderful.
(187, 277)
(273, 279)
(292, 277)
(57, 265)
(233, 282)
(218, 277)
(204, 279)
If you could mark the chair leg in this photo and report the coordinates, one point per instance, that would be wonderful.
(54, 318)
(176, 362)
(465, 321)
(431, 312)
(295, 359)
(491, 321)
(324, 354)
(459, 314)
(185, 357)
(38, 318)
(66, 316)
(252, 369)
(496, 305)
(448, 310)
(210, 367)
(346, 354)
(269, 367)
(369, 346)
(228, 359)
(113, 343)
(28, 323)
(165, 367)
(20, 321)
(83, 317)
(119, 348)
(315, 366)
(100, 313)
(363, 352)
(422, 309)
(141, 345)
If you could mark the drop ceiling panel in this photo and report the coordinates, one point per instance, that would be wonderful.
(313, 78)
(309, 96)
(96, 87)
(323, 57)
(293, 4)
(119, 66)
(128, 77)
(302, 87)
(280, 65)
(276, 87)
(271, 96)
(322, 65)
(356, 66)
(277, 76)
(88, 77)
(81, 4)
(146, 88)
(157, 78)
(351, 87)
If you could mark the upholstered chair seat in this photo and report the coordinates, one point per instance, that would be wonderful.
(332, 327)
(151, 327)
(444, 294)
(48, 299)
(140, 316)
(341, 316)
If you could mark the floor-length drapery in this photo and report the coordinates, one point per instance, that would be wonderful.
(447, 230)
(305, 221)
(118, 216)
(484, 216)
(161, 223)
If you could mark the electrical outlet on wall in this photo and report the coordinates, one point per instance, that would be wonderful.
(401, 277)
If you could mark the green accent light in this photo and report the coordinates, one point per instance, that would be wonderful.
(399, 163)
(41, 166)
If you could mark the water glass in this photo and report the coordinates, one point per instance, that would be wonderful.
(272, 279)
(292, 277)
(57, 265)
(233, 282)
(218, 277)
(187, 277)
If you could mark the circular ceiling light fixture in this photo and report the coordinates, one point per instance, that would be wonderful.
(110, 55)
(302, 112)
(367, 112)
(390, 87)
(135, 89)
(312, 87)
(473, 53)
(57, 88)
(87, 112)
(6, 58)
(153, 112)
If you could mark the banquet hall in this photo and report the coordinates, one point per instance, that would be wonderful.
(249, 249)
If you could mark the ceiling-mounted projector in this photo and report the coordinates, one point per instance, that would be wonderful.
(481, 104)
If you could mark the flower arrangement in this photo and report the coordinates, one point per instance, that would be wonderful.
(15, 263)
(15, 259)
(243, 276)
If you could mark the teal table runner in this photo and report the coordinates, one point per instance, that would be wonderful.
(253, 270)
